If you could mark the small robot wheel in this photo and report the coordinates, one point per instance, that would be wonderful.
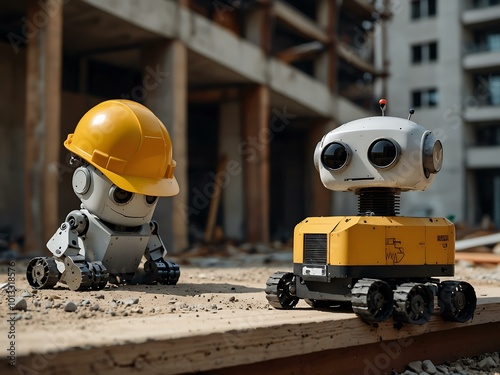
(100, 275)
(457, 301)
(414, 303)
(280, 290)
(162, 272)
(42, 273)
(372, 300)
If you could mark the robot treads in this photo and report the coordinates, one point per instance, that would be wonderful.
(123, 155)
(380, 263)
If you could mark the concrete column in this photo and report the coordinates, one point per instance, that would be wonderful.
(320, 204)
(232, 193)
(259, 26)
(165, 91)
(325, 66)
(255, 149)
(42, 122)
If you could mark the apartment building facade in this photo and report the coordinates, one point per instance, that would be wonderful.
(445, 63)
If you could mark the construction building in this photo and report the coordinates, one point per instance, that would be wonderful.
(246, 89)
(445, 63)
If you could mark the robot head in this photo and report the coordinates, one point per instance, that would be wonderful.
(129, 145)
(110, 203)
(378, 152)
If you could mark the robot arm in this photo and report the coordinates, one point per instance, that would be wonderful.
(156, 268)
(65, 240)
(68, 263)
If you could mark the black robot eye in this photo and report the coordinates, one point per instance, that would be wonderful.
(383, 153)
(150, 199)
(335, 156)
(121, 196)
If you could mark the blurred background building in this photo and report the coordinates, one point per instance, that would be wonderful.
(247, 88)
(445, 63)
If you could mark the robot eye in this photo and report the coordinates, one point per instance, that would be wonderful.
(120, 196)
(335, 156)
(150, 199)
(432, 155)
(383, 153)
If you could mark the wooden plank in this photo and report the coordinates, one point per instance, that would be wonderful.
(255, 149)
(301, 52)
(467, 243)
(42, 126)
(166, 344)
(214, 201)
(490, 258)
(386, 357)
(298, 22)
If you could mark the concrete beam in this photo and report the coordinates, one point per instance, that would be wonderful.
(165, 74)
(42, 126)
(482, 114)
(481, 60)
(223, 47)
(298, 22)
(483, 157)
(157, 16)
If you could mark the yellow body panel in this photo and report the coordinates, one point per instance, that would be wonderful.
(378, 241)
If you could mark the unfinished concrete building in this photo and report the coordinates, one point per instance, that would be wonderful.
(448, 69)
(246, 89)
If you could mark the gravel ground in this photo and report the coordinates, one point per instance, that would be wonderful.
(225, 285)
(486, 364)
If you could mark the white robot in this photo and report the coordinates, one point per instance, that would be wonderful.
(123, 155)
(381, 263)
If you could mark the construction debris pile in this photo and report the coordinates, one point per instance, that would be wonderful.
(488, 363)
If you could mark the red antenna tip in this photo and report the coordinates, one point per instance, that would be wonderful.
(382, 102)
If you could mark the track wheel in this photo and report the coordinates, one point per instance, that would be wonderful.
(42, 273)
(100, 275)
(280, 290)
(413, 303)
(457, 301)
(372, 300)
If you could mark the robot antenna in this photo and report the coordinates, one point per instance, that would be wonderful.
(410, 112)
(383, 104)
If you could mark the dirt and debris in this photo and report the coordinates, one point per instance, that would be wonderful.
(201, 294)
(485, 364)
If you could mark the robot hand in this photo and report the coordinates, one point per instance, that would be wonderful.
(156, 268)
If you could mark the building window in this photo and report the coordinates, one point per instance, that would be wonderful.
(488, 89)
(422, 53)
(423, 9)
(485, 3)
(424, 98)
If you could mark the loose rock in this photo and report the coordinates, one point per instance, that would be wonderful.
(487, 363)
(429, 367)
(20, 304)
(130, 301)
(70, 306)
(416, 366)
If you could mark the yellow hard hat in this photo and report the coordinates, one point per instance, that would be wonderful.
(129, 145)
